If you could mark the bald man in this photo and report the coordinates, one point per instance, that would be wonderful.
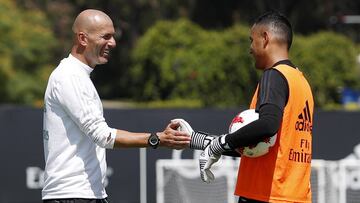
(93, 37)
(75, 133)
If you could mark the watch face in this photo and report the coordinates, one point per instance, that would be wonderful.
(154, 140)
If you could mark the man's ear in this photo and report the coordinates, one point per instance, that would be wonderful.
(82, 38)
(266, 38)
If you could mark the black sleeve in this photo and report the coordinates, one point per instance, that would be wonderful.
(273, 89)
(272, 98)
(232, 153)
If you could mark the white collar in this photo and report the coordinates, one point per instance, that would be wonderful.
(87, 68)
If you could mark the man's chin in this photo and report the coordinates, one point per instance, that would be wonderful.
(103, 60)
(259, 67)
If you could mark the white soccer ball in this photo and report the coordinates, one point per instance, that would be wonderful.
(261, 148)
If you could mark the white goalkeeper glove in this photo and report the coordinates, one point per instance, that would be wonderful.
(211, 155)
(199, 140)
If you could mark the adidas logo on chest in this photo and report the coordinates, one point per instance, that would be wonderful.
(304, 122)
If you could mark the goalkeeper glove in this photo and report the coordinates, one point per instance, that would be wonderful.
(199, 140)
(211, 155)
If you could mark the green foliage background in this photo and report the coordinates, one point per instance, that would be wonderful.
(329, 61)
(25, 44)
(178, 59)
(196, 59)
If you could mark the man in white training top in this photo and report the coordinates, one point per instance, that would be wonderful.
(75, 132)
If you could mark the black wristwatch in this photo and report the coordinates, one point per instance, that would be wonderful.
(154, 140)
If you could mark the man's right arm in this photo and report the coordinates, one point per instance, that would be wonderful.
(169, 137)
(85, 112)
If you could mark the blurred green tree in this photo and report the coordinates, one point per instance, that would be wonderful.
(25, 53)
(212, 30)
(178, 59)
(181, 60)
(329, 61)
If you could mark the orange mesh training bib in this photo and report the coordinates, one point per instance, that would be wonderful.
(283, 175)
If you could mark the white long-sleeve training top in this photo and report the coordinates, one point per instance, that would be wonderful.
(75, 134)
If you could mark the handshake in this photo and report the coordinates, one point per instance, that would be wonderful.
(212, 148)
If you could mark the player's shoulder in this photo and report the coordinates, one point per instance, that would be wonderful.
(272, 79)
(271, 74)
(62, 78)
(67, 68)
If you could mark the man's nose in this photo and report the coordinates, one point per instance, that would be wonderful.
(112, 42)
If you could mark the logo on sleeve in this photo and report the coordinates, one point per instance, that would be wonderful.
(108, 138)
(304, 122)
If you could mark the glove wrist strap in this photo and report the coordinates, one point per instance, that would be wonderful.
(219, 145)
(200, 140)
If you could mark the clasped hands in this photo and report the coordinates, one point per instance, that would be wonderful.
(212, 148)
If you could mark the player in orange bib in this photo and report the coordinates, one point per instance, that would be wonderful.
(284, 101)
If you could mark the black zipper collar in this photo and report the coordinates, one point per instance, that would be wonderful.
(285, 62)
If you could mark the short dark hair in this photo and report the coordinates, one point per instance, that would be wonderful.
(279, 22)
